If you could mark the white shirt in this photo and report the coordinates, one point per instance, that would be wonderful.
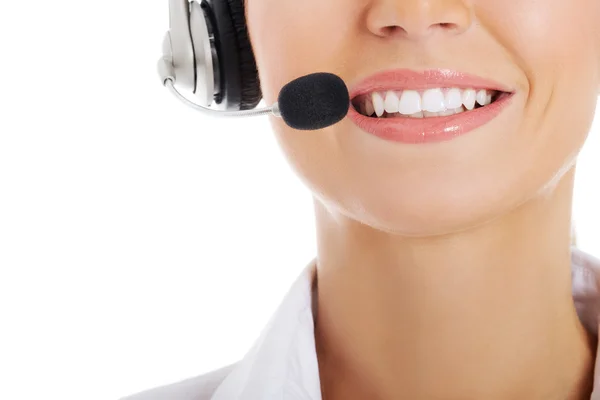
(282, 363)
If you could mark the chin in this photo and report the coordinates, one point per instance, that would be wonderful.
(415, 213)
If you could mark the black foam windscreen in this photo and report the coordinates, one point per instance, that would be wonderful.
(314, 101)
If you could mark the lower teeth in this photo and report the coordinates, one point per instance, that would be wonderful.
(425, 114)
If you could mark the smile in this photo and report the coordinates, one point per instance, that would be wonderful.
(421, 107)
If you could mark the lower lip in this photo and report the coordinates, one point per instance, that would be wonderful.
(429, 129)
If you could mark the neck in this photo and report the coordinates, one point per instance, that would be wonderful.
(485, 313)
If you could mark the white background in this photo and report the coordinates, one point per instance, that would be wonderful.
(120, 207)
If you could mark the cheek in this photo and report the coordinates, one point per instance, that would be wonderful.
(288, 42)
(287, 39)
(555, 43)
(550, 41)
(563, 76)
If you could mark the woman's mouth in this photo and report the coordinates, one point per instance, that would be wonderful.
(436, 102)
(421, 107)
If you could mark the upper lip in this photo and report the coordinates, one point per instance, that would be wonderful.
(405, 79)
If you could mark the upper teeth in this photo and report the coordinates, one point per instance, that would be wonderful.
(411, 102)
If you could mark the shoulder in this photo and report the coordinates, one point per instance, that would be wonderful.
(197, 388)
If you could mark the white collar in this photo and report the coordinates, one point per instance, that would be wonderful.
(282, 364)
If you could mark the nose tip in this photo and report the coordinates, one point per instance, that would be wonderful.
(417, 19)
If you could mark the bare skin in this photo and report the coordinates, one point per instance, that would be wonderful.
(444, 270)
(484, 314)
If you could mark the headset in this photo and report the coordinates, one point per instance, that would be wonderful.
(207, 51)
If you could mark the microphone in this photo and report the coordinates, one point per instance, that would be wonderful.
(311, 102)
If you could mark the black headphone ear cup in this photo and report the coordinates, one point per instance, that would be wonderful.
(240, 84)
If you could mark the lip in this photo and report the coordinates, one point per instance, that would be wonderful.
(430, 129)
(401, 79)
